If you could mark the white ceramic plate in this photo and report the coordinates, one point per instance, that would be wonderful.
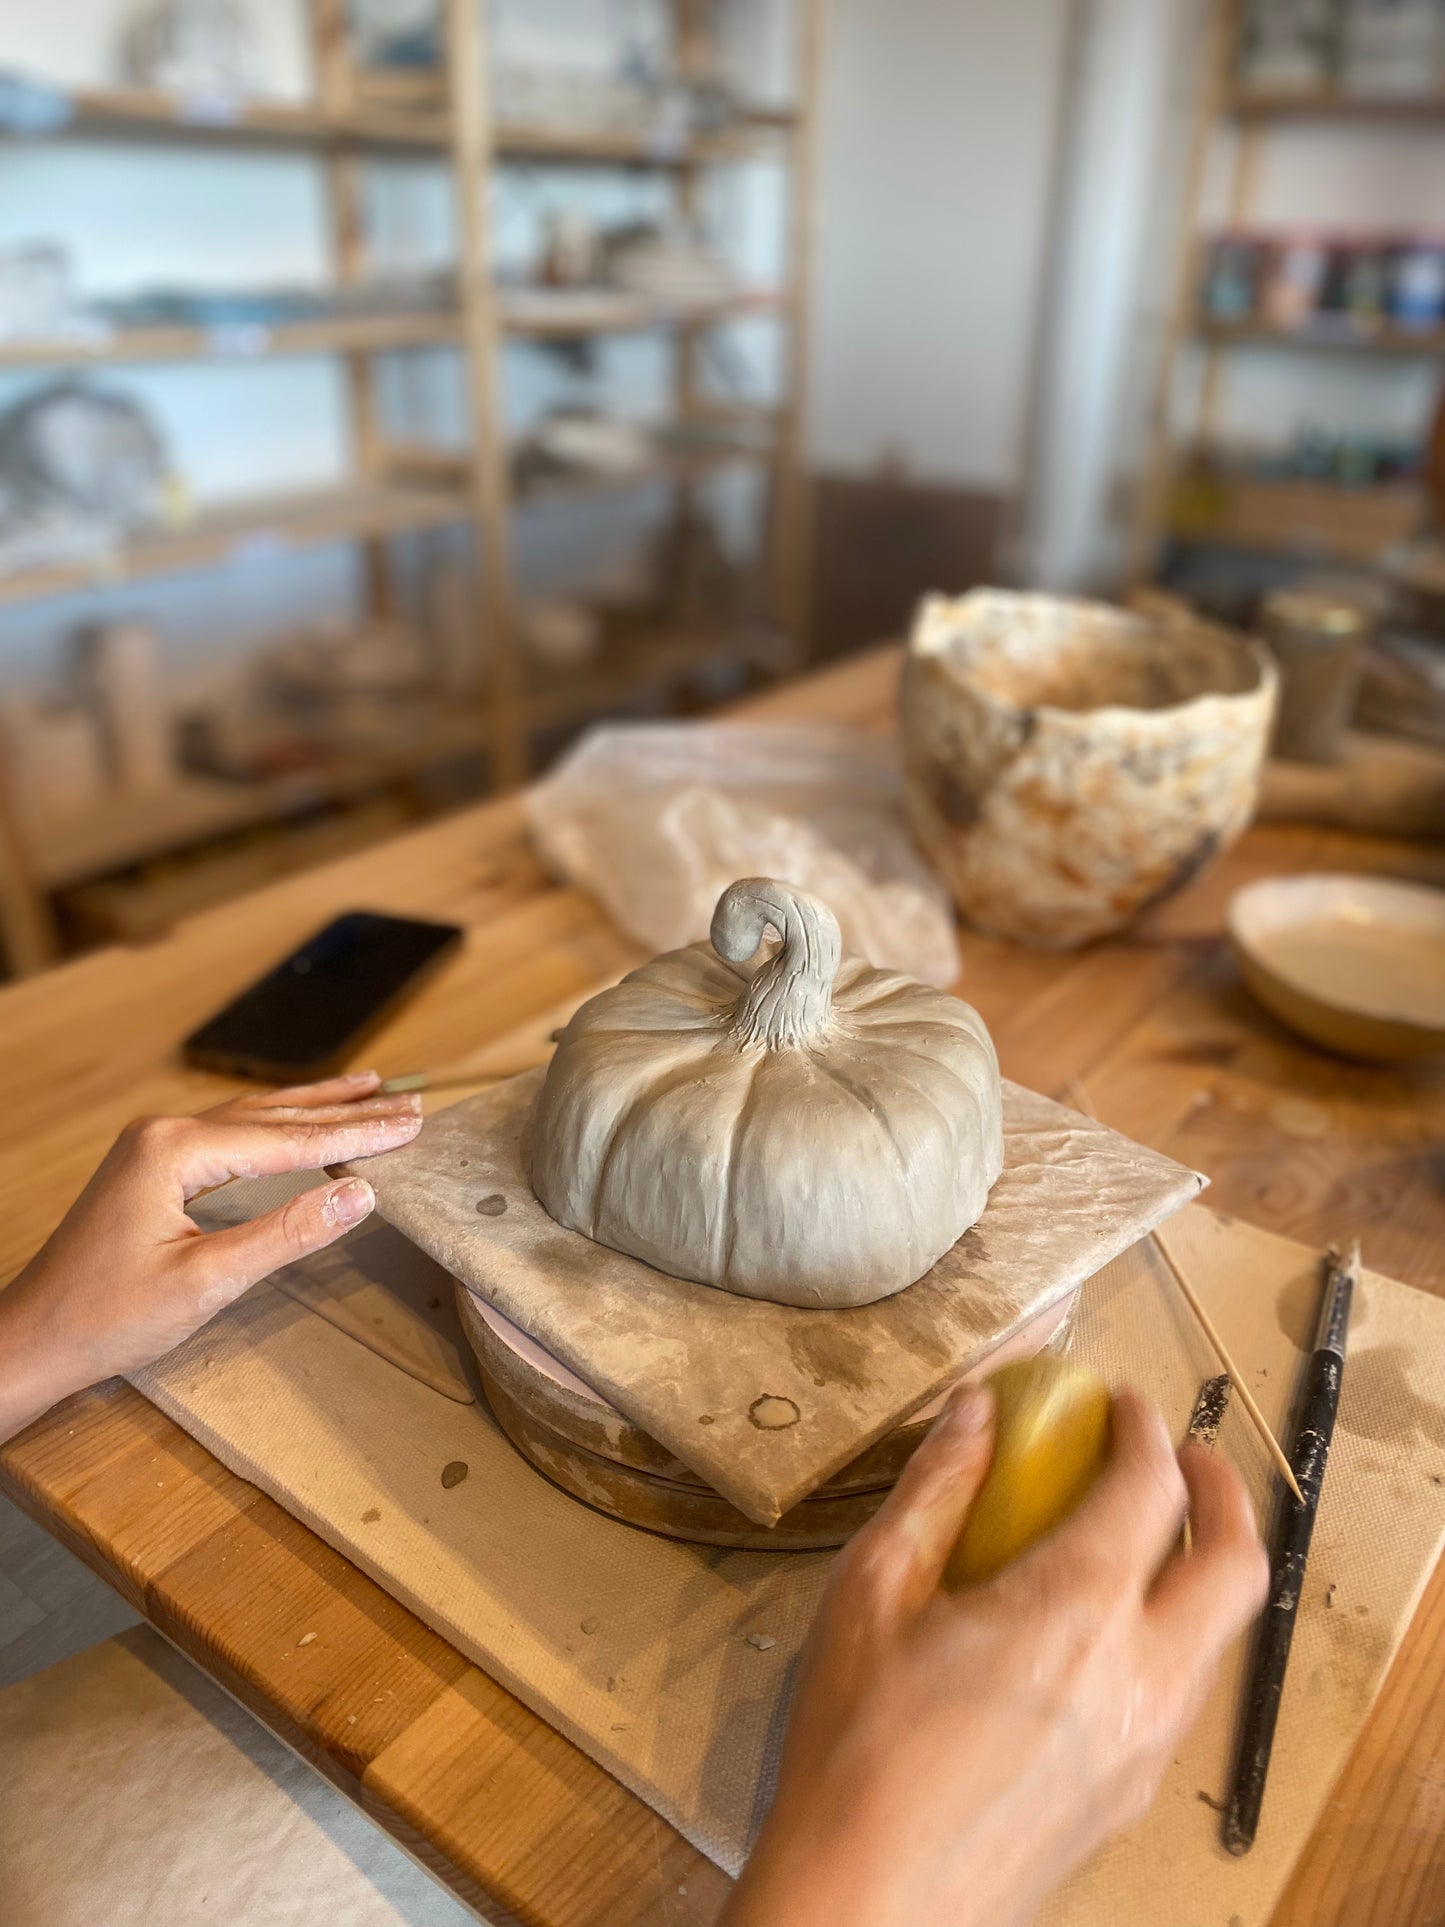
(1356, 963)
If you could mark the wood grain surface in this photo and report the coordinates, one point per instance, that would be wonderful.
(518, 1821)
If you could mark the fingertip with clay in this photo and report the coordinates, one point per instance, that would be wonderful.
(348, 1203)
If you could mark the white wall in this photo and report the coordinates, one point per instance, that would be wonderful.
(935, 173)
(1130, 97)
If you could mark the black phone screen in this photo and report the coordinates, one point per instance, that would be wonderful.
(307, 1015)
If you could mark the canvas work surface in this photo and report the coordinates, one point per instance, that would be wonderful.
(642, 1650)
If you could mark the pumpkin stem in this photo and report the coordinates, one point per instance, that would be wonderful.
(790, 1000)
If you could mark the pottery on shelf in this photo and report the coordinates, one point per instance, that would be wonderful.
(1067, 765)
(787, 1123)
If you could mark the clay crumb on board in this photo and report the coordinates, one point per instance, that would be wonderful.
(454, 1473)
(493, 1205)
(370, 1516)
(1330, 1592)
(763, 1641)
(589, 1625)
(307, 1639)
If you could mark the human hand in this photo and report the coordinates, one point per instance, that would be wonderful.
(952, 1757)
(127, 1275)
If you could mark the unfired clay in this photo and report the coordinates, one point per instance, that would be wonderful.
(798, 1127)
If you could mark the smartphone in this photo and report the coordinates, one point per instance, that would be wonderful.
(304, 1019)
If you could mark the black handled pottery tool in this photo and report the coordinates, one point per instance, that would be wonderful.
(1318, 1403)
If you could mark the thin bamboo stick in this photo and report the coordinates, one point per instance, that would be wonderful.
(1272, 1445)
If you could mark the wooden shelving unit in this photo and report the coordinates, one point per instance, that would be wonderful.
(356, 118)
(1292, 519)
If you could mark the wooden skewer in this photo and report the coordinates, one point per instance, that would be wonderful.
(454, 1078)
(1246, 1398)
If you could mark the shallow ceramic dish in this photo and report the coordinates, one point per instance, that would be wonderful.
(1355, 963)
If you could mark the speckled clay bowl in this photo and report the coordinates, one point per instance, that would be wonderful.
(1068, 765)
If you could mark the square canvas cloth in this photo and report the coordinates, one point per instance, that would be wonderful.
(764, 1402)
(664, 1688)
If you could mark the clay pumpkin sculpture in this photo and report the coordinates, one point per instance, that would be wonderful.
(789, 1124)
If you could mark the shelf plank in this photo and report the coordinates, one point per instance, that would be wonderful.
(1312, 521)
(196, 808)
(1263, 103)
(350, 334)
(753, 138)
(643, 664)
(1387, 340)
(529, 317)
(257, 529)
(121, 113)
(234, 341)
(401, 112)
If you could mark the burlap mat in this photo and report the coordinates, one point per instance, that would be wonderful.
(639, 1649)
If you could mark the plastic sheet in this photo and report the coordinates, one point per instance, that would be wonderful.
(655, 820)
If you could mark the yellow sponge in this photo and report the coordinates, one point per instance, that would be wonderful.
(1051, 1442)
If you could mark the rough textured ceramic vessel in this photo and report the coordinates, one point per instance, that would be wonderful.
(1068, 764)
(786, 1123)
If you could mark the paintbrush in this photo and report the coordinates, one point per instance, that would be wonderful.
(1318, 1402)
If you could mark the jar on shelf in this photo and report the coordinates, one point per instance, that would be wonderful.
(1417, 284)
(1295, 282)
(1318, 641)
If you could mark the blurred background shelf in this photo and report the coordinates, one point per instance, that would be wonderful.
(492, 713)
(1386, 340)
(1319, 103)
(1314, 521)
(255, 530)
(540, 315)
(124, 113)
(241, 341)
(196, 808)
(404, 112)
(1289, 419)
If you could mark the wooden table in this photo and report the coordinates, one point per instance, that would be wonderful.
(519, 1822)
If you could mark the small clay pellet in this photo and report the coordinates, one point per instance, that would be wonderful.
(493, 1205)
(454, 1473)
